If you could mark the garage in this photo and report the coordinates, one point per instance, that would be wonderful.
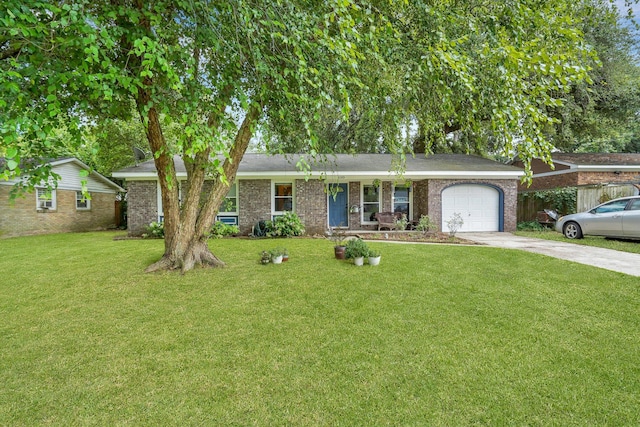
(478, 205)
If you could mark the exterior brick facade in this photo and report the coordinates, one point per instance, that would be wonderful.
(310, 201)
(254, 203)
(420, 199)
(509, 190)
(22, 218)
(575, 179)
(311, 205)
(142, 207)
(354, 200)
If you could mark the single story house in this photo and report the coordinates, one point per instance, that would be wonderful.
(347, 190)
(63, 209)
(597, 176)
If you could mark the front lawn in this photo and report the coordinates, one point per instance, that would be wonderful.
(601, 242)
(435, 335)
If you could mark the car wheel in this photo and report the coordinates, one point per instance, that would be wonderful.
(572, 231)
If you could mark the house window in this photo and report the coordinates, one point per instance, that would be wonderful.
(402, 200)
(230, 202)
(82, 202)
(370, 202)
(282, 197)
(45, 198)
(228, 212)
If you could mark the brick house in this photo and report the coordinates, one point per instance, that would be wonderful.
(484, 192)
(595, 175)
(64, 209)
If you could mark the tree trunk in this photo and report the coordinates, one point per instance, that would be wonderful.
(186, 242)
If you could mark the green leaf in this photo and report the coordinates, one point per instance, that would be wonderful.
(11, 153)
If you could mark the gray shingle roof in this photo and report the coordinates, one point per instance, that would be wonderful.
(253, 163)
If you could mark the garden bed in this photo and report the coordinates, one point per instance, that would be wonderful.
(416, 236)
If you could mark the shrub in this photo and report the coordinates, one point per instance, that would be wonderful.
(530, 226)
(220, 230)
(425, 224)
(356, 248)
(287, 225)
(155, 230)
(401, 223)
(454, 223)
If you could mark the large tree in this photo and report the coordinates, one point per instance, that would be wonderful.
(219, 71)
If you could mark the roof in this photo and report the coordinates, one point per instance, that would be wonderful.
(77, 162)
(598, 159)
(348, 166)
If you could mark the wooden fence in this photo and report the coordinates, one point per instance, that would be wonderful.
(587, 197)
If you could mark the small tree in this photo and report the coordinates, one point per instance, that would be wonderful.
(454, 223)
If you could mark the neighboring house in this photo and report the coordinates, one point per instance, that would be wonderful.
(63, 209)
(597, 176)
(484, 192)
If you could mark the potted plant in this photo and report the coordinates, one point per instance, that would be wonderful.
(356, 249)
(285, 255)
(338, 236)
(374, 257)
(276, 256)
(265, 257)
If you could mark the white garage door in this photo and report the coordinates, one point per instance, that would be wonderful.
(478, 205)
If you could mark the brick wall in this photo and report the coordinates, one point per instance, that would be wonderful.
(509, 189)
(311, 205)
(420, 199)
(254, 203)
(22, 218)
(387, 196)
(354, 200)
(551, 181)
(590, 178)
(574, 179)
(142, 199)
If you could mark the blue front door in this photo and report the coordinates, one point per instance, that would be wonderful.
(339, 206)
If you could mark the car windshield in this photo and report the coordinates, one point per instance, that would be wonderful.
(614, 206)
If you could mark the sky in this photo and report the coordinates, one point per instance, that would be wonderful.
(623, 9)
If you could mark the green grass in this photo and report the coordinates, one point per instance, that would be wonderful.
(601, 242)
(435, 335)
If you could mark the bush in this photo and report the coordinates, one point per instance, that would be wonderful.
(220, 230)
(530, 226)
(425, 224)
(356, 248)
(155, 230)
(454, 223)
(287, 225)
(401, 223)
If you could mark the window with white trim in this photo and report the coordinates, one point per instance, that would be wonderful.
(282, 197)
(229, 205)
(83, 202)
(228, 212)
(370, 201)
(45, 198)
(402, 200)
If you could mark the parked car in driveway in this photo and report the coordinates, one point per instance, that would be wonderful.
(618, 218)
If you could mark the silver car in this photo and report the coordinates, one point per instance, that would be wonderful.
(619, 218)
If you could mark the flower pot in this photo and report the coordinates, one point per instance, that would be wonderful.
(285, 258)
(358, 261)
(277, 259)
(339, 251)
(374, 260)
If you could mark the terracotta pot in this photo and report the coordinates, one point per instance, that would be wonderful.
(339, 251)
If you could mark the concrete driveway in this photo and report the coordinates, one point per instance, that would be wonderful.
(609, 259)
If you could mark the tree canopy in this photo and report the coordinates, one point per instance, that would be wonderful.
(222, 71)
